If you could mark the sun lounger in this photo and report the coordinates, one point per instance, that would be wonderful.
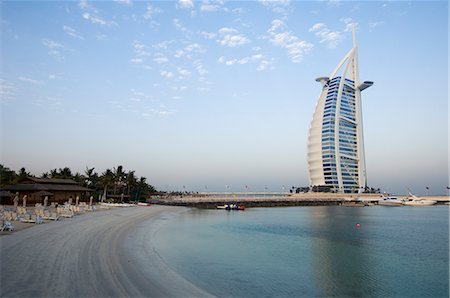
(27, 218)
(50, 215)
(7, 226)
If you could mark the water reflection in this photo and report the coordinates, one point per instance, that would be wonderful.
(341, 257)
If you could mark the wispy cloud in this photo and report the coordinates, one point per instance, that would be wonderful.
(151, 11)
(295, 47)
(375, 24)
(185, 4)
(262, 62)
(183, 72)
(212, 6)
(325, 35)
(198, 65)
(277, 6)
(124, 2)
(7, 91)
(92, 14)
(29, 80)
(72, 32)
(166, 74)
(208, 35)
(180, 27)
(160, 58)
(188, 50)
(231, 37)
(54, 48)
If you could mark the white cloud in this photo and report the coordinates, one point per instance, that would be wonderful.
(208, 35)
(188, 50)
(198, 65)
(226, 30)
(258, 58)
(137, 60)
(54, 48)
(277, 6)
(125, 2)
(185, 4)
(295, 47)
(166, 74)
(233, 40)
(151, 11)
(160, 112)
(29, 80)
(72, 32)
(325, 35)
(160, 58)
(92, 14)
(209, 7)
(51, 44)
(375, 24)
(7, 91)
(162, 45)
(334, 3)
(180, 27)
(183, 72)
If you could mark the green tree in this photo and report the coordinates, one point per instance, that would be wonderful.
(106, 180)
(119, 178)
(91, 178)
(65, 173)
(23, 174)
(131, 182)
(7, 176)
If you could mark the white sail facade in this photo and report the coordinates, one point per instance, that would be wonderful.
(335, 142)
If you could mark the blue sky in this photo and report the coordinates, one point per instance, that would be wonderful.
(216, 93)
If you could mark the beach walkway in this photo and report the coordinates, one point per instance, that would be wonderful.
(99, 254)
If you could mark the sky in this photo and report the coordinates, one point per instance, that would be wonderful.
(218, 95)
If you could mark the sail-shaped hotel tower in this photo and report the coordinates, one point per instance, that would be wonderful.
(335, 141)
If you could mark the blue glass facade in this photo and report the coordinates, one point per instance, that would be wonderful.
(339, 122)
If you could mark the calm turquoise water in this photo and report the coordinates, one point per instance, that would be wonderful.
(312, 251)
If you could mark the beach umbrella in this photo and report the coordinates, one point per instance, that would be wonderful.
(45, 201)
(24, 201)
(77, 199)
(90, 200)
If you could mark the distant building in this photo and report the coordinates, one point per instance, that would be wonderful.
(335, 143)
(36, 189)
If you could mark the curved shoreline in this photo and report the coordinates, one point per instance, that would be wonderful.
(101, 254)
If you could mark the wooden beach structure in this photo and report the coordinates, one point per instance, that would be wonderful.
(36, 189)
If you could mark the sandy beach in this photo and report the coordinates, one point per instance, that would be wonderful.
(99, 254)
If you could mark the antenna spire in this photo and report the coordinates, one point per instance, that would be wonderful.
(354, 34)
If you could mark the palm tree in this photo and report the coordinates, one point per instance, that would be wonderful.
(106, 179)
(54, 173)
(119, 176)
(23, 174)
(131, 182)
(65, 173)
(90, 177)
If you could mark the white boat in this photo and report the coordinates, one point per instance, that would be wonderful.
(390, 201)
(415, 201)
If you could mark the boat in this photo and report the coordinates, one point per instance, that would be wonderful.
(390, 201)
(416, 201)
(143, 204)
(231, 207)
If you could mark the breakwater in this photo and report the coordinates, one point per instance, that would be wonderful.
(211, 201)
(309, 199)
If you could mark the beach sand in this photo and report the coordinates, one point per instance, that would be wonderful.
(99, 254)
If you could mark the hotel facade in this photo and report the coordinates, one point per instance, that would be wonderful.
(336, 158)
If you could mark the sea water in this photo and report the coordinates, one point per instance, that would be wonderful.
(311, 251)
